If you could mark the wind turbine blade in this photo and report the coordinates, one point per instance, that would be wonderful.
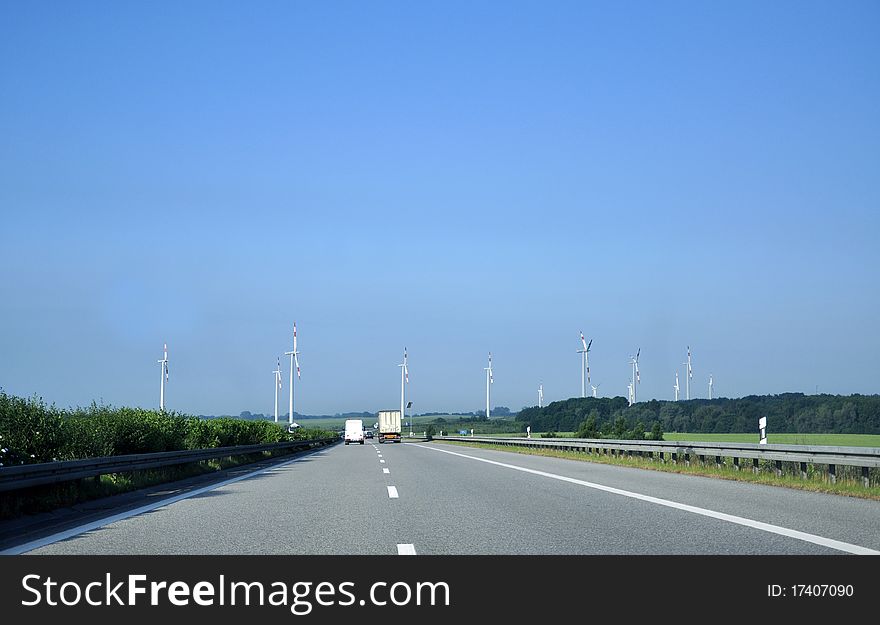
(294, 336)
(588, 346)
(637, 354)
(296, 361)
(583, 342)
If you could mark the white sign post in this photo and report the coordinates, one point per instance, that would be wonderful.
(762, 426)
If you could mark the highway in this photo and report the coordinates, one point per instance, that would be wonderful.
(435, 498)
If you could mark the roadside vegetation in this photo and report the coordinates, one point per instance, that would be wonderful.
(32, 432)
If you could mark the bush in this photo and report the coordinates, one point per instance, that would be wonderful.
(31, 432)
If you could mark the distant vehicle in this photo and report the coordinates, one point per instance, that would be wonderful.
(389, 426)
(354, 431)
(368, 433)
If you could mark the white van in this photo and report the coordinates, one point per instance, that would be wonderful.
(354, 431)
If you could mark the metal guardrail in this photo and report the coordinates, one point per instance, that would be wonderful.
(27, 475)
(864, 457)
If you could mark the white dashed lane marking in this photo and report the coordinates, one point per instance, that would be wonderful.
(407, 549)
(385, 471)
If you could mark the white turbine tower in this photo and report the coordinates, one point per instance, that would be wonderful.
(629, 393)
(688, 375)
(489, 380)
(585, 364)
(676, 388)
(595, 388)
(541, 396)
(163, 377)
(636, 378)
(294, 360)
(277, 373)
(404, 379)
(711, 384)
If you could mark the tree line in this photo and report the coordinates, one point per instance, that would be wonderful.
(787, 412)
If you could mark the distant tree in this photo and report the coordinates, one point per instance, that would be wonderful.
(619, 428)
(550, 434)
(587, 428)
(245, 414)
(657, 432)
(638, 432)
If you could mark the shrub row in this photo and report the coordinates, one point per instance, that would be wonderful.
(32, 432)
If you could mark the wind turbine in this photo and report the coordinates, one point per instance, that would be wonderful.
(636, 378)
(677, 388)
(541, 396)
(595, 388)
(163, 377)
(404, 379)
(711, 384)
(688, 376)
(489, 380)
(294, 359)
(585, 364)
(277, 373)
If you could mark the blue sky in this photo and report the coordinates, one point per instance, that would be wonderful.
(453, 177)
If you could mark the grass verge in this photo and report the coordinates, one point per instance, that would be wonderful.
(815, 481)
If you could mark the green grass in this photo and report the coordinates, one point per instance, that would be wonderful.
(848, 482)
(837, 440)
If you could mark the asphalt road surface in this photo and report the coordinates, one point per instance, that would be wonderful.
(434, 498)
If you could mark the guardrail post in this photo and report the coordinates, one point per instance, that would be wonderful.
(661, 457)
(702, 459)
(674, 458)
(687, 460)
(832, 473)
(755, 465)
(803, 470)
(736, 463)
(778, 468)
(717, 462)
(865, 477)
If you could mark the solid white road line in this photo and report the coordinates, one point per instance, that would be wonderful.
(385, 471)
(392, 492)
(54, 538)
(730, 518)
(407, 549)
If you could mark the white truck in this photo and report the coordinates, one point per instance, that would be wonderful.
(389, 426)
(354, 431)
